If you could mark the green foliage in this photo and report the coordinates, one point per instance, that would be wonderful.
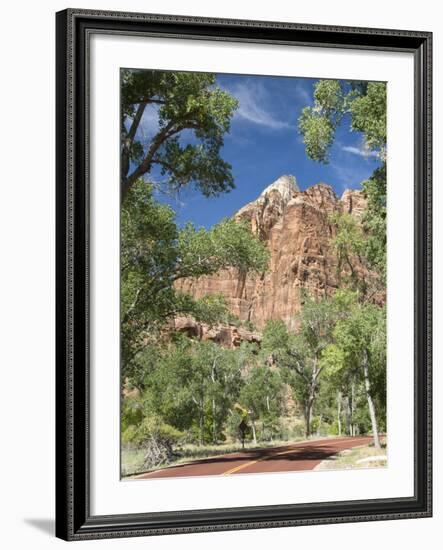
(332, 361)
(360, 338)
(329, 98)
(349, 243)
(318, 133)
(356, 243)
(262, 393)
(368, 112)
(318, 124)
(374, 220)
(155, 254)
(301, 353)
(262, 396)
(194, 386)
(227, 244)
(210, 309)
(150, 427)
(333, 99)
(365, 105)
(362, 330)
(204, 391)
(131, 416)
(183, 102)
(233, 422)
(193, 391)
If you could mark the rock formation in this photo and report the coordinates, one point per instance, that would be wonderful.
(295, 225)
(229, 335)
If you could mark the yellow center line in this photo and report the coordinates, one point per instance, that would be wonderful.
(246, 464)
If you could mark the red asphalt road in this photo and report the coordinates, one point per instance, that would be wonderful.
(295, 457)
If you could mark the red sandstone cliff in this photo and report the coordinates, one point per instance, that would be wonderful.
(295, 226)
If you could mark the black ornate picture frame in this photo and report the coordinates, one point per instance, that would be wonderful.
(74, 30)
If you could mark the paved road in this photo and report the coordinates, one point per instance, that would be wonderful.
(304, 455)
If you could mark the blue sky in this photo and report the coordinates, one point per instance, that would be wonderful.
(264, 143)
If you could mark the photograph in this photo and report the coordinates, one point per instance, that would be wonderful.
(243, 274)
(253, 268)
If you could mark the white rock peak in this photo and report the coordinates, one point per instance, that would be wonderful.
(285, 185)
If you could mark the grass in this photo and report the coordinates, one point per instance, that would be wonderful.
(131, 461)
(355, 458)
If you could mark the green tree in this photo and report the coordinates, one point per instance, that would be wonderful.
(301, 352)
(349, 243)
(364, 104)
(342, 385)
(364, 241)
(194, 386)
(374, 220)
(193, 116)
(155, 254)
(262, 396)
(360, 350)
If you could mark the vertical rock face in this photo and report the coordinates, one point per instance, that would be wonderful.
(353, 202)
(295, 227)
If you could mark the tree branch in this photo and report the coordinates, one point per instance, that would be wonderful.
(164, 134)
(128, 141)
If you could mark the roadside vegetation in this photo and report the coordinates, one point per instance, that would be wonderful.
(133, 458)
(359, 457)
(185, 398)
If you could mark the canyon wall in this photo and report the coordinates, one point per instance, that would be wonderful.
(295, 226)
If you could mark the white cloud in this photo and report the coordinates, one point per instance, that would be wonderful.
(349, 177)
(346, 176)
(303, 95)
(149, 124)
(252, 98)
(360, 151)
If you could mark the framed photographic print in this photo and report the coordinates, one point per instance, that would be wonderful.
(243, 274)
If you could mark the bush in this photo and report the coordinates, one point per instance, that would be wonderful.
(157, 439)
(291, 428)
(333, 428)
(233, 424)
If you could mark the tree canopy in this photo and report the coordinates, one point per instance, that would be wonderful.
(365, 103)
(190, 115)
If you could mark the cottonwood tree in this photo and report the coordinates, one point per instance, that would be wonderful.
(175, 121)
(262, 396)
(359, 349)
(301, 352)
(194, 386)
(342, 383)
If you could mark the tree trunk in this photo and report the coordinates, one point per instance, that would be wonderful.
(352, 409)
(214, 423)
(308, 415)
(347, 404)
(202, 425)
(254, 432)
(128, 141)
(370, 401)
(339, 412)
